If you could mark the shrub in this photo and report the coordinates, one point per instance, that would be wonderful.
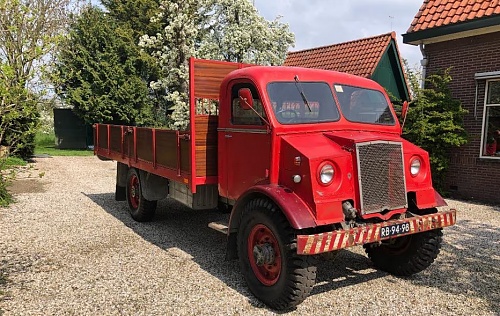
(435, 122)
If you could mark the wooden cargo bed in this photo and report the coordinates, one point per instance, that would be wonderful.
(163, 152)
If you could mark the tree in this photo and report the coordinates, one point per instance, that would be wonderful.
(225, 30)
(98, 72)
(29, 31)
(133, 17)
(18, 115)
(236, 32)
(435, 122)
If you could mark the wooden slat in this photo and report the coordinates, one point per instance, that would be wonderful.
(185, 165)
(103, 136)
(208, 77)
(166, 148)
(128, 146)
(115, 140)
(145, 144)
(206, 145)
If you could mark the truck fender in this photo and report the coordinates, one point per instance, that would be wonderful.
(429, 198)
(154, 187)
(121, 181)
(293, 207)
(439, 199)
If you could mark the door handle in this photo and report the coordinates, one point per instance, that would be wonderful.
(228, 136)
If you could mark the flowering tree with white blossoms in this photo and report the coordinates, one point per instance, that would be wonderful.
(230, 30)
(236, 32)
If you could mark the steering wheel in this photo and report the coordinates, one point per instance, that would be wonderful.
(293, 115)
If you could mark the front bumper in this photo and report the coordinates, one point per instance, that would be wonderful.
(339, 239)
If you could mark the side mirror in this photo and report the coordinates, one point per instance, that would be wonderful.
(246, 99)
(404, 112)
(404, 109)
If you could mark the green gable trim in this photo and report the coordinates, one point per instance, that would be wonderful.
(415, 37)
(389, 74)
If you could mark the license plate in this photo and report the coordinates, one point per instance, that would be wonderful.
(394, 230)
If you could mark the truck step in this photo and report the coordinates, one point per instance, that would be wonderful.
(219, 226)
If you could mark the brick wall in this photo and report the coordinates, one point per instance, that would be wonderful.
(469, 176)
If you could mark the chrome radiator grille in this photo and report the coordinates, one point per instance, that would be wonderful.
(381, 179)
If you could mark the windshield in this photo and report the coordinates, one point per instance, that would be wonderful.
(364, 105)
(302, 102)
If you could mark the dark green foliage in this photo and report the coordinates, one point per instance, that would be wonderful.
(133, 18)
(435, 122)
(19, 116)
(134, 15)
(5, 197)
(98, 72)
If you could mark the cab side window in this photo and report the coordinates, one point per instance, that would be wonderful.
(240, 116)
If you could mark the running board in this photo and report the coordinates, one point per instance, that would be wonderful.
(219, 226)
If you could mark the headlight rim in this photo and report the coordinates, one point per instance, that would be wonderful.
(420, 165)
(320, 172)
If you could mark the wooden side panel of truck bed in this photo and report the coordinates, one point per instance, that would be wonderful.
(161, 151)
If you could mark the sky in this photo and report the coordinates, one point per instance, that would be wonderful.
(325, 22)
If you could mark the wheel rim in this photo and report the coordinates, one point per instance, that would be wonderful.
(264, 254)
(134, 191)
(398, 246)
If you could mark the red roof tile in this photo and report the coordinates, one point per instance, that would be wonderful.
(359, 57)
(436, 13)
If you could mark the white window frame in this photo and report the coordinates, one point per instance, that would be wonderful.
(483, 125)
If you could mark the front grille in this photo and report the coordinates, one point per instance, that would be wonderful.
(381, 176)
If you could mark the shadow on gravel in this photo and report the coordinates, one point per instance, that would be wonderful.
(469, 263)
(177, 226)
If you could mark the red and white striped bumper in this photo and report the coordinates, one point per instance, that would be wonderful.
(339, 239)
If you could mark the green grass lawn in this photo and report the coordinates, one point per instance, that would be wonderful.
(46, 144)
(12, 162)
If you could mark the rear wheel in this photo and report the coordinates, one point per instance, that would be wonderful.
(406, 255)
(274, 272)
(140, 209)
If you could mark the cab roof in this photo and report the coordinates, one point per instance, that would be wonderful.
(261, 75)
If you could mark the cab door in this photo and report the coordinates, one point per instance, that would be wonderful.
(244, 144)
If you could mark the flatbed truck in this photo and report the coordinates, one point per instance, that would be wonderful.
(306, 162)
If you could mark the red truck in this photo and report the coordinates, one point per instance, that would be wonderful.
(307, 161)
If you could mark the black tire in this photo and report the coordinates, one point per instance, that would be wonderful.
(140, 209)
(407, 255)
(287, 279)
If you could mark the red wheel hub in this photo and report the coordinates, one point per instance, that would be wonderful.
(134, 193)
(264, 254)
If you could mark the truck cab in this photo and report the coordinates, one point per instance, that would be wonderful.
(331, 139)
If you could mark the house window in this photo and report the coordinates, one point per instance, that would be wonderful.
(491, 121)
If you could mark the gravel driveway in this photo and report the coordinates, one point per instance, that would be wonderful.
(67, 248)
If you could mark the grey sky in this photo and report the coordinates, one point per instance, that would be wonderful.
(325, 22)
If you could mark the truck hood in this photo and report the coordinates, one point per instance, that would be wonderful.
(349, 138)
(334, 144)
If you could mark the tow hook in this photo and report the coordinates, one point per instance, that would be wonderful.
(349, 210)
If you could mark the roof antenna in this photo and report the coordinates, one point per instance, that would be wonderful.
(392, 18)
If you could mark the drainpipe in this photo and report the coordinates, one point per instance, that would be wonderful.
(424, 63)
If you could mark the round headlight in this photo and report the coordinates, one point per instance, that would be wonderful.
(415, 166)
(326, 174)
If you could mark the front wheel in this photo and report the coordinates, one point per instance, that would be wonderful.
(140, 209)
(407, 255)
(273, 270)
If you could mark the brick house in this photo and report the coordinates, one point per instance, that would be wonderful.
(465, 35)
(375, 57)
